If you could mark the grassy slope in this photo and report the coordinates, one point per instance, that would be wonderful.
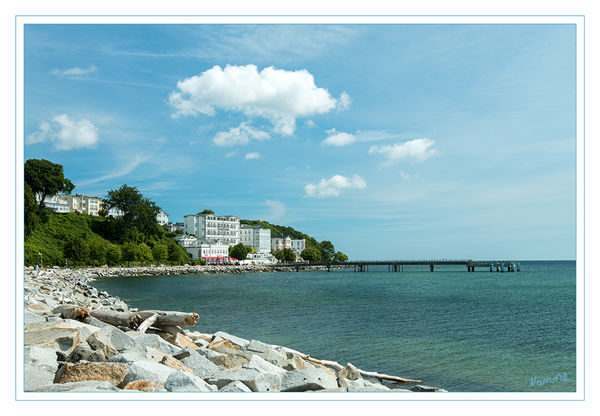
(50, 236)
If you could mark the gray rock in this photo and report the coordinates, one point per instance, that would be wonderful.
(44, 358)
(90, 385)
(153, 340)
(37, 377)
(362, 385)
(53, 319)
(83, 352)
(85, 330)
(147, 370)
(421, 388)
(58, 336)
(101, 344)
(201, 366)
(96, 322)
(349, 372)
(128, 357)
(210, 354)
(251, 377)
(268, 352)
(116, 338)
(263, 366)
(235, 386)
(309, 378)
(33, 318)
(240, 342)
(184, 381)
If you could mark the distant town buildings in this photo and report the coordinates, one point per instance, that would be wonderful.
(257, 237)
(162, 218)
(213, 228)
(279, 242)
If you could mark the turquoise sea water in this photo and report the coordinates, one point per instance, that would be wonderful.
(461, 331)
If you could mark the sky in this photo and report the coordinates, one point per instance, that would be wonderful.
(396, 141)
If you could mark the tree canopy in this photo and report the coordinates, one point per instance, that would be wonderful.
(286, 254)
(206, 211)
(239, 251)
(311, 254)
(46, 178)
(139, 214)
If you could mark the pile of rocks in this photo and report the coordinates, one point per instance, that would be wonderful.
(87, 354)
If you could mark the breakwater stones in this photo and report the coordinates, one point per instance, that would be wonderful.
(80, 339)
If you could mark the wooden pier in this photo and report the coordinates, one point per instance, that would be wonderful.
(398, 265)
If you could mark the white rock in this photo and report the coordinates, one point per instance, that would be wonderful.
(184, 381)
(235, 386)
(240, 342)
(147, 370)
(309, 378)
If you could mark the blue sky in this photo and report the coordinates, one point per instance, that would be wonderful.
(392, 141)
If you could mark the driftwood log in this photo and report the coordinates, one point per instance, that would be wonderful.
(338, 367)
(172, 318)
(147, 323)
(75, 312)
(126, 319)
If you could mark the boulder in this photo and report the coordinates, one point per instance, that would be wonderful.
(37, 377)
(145, 385)
(96, 322)
(174, 363)
(44, 358)
(349, 372)
(421, 388)
(153, 340)
(183, 381)
(128, 357)
(200, 366)
(146, 370)
(114, 373)
(33, 318)
(102, 344)
(210, 354)
(83, 352)
(85, 330)
(81, 386)
(251, 377)
(295, 363)
(267, 352)
(309, 378)
(58, 336)
(235, 387)
(361, 385)
(116, 338)
(263, 366)
(240, 342)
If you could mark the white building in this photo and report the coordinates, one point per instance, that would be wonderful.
(178, 226)
(211, 252)
(185, 240)
(162, 218)
(213, 228)
(58, 202)
(84, 204)
(257, 237)
(298, 246)
(279, 242)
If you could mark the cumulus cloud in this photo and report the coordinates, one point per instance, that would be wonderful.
(65, 133)
(275, 94)
(252, 155)
(239, 135)
(75, 71)
(344, 101)
(417, 149)
(333, 186)
(338, 138)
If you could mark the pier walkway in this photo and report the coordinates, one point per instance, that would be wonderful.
(398, 265)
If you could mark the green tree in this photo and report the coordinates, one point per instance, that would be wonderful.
(176, 253)
(145, 253)
(97, 249)
(46, 178)
(327, 251)
(239, 251)
(113, 254)
(207, 211)
(130, 252)
(311, 254)
(32, 218)
(76, 249)
(287, 254)
(340, 257)
(160, 253)
(139, 214)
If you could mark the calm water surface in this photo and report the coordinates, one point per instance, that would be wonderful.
(461, 331)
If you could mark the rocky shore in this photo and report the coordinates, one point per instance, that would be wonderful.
(67, 349)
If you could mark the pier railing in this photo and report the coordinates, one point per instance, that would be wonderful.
(398, 265)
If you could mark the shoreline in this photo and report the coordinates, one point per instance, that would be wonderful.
(70, 346)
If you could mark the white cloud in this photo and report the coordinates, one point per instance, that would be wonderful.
(278, 209)
(309, 124)
(336, 138)
(278, 95)
(239, 135)
(252, 155)
(417, 149)
(344, 101)
(333, 186)
(74, 72)
(230, 155)
(65, 134)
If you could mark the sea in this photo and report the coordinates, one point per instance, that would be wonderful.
(465, 332)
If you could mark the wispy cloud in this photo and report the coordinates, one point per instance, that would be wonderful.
(74, 72)
(65, 133)
(278, 209)
(239, 135)
(417, 149)
(333, 186)
(252, 155)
